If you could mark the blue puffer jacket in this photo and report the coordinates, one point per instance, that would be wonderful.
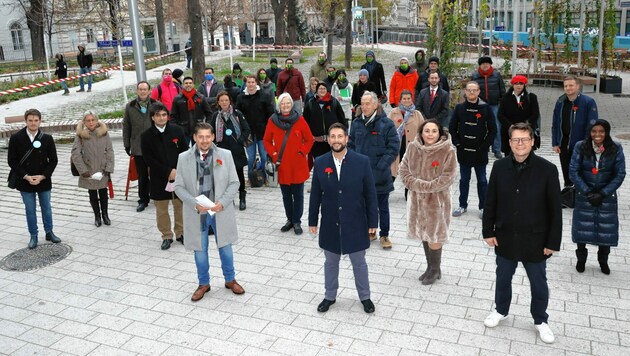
(596, 225)
(380, 142)
(583, 117)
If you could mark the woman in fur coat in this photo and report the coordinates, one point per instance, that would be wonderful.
(428, 170)
(92, 153)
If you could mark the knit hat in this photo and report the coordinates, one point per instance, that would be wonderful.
(434, 59)
(320, 84)
(273, 60)
(518, 79)
(341, 71)
(177, 73)
(370, 53)
(484, 59)
(404, 59)
(364, 72)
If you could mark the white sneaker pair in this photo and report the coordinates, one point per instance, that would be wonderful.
(544, 332)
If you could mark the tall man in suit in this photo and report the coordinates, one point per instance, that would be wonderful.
(344, 188)
(33, 157)
(522, 219)
(432, 101)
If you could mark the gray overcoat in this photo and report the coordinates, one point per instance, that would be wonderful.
(225, 187)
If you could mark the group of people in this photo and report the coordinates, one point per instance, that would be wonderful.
(191, 145)
(84, 61)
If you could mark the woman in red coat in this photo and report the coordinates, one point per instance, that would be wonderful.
(292, 165)
(404, 78)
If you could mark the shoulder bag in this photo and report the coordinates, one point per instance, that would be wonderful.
(13, 177)
(271, 168)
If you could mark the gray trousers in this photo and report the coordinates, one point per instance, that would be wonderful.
(298, 105)
(359, 267)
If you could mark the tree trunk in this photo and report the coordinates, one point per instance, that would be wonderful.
(35, 23)
(279, 7)
(348, 32)
(159, 18)
(292, 22)
(331, 29)
(196, 37)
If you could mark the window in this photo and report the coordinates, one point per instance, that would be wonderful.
(89, 35)
(16, 36)
(173, 29)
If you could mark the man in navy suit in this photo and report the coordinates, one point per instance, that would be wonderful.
(349, 212)
(432, 101)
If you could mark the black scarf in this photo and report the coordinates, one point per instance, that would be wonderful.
(285, 122)
(342, 84)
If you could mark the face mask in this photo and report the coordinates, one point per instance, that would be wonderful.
(341, 77)
(404, 66)
(262, 76)
(167, 77)
(370, 59)
(209, 77)
(237, 71)
(289, 66)
(331, 74)
(322, 60)
(274, 66)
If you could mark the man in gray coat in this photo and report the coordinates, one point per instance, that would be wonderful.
(209, 171)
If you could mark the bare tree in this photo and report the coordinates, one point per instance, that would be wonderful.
(279, 8)
(348, 32)
(159, 18)
(292, 22)
(34, 12)
(214, 12)
(196, 36)
(331, 27)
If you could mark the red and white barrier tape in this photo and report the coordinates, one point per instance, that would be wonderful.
(43, 84)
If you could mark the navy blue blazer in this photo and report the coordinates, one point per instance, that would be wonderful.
(348, 205)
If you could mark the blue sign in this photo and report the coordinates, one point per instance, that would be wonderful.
(499, 28)
(127, 43)
(105, 44)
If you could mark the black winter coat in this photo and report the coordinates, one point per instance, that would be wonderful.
(319, 119)
(472, 129)
(358, 90)
(188, 119)
(377, 77)
(523, 209)
(257, 109)
(84, 59)
(423, 82)
(234, 144)
(492, 87)
(62, 69)
(160, 152)
(41, 161)
(597, 225)
(510, 112)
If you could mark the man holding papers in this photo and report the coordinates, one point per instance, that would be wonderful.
(207, 183)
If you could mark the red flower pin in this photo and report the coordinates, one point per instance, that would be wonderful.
(175, 141)
(520, 104)
(328, 171)
(219, 162)
(435, 165)
(575, 108)
(478, 116)
(399, 121)
(595, 170)
(374, 132)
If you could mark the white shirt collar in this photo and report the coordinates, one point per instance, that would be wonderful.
(160, 129)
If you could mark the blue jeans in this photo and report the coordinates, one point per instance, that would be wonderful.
(536, 272)
(31, 211)
(83, 71)
(188, 60)
(496, 145)
(293, 199)
(201, 256)
(251, 155)
(464, 184)
(383, 213)
(64, 85)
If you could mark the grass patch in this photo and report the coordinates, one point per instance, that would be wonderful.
(116, 114)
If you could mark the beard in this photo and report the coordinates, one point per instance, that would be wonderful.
(339, 148)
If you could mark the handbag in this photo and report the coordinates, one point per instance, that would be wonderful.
(272, 168)
(257, 175)
(12, 179)
(73, 168)
(568, 197)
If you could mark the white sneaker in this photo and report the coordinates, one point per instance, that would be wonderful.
(545, 333)
(493, 319)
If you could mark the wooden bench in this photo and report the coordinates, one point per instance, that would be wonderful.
(13, 125)
(590, 81)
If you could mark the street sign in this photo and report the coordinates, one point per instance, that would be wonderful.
(499, 28)
(107, 44)
(357, 12)
(623, 4)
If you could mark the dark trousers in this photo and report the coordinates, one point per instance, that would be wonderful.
(383, 213)
(144, 185)
(464, 184)
(536, 272)
(565, 160)
(293, 199)
(241, 179)
(95, 195)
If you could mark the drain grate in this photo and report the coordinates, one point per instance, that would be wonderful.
(41, 256)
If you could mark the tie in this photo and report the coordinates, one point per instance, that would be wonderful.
(203, 156)
(432, 95)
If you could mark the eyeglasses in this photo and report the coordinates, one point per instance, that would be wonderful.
(472, 90)
(521, 140)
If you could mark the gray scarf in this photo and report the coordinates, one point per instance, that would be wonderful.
(222, 118)
(205, 171)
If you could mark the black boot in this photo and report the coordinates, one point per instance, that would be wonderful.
(241, 198)
(97, 212)
(104, 205)
(581, 253)
(435, 256)
(602, 258)
(425, 245)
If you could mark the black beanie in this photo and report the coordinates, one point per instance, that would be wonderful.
(484, 59)
(434, 59)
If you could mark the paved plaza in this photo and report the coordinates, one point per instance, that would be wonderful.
(117, 293)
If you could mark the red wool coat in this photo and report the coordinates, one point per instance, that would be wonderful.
(294, 167)
(401, 82)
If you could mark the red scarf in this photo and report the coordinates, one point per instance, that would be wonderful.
(487, 73)
(324, 99)
(189, 95)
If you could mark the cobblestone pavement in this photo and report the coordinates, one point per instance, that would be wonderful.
(119, 294)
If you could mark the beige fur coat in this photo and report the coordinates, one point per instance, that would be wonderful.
(411, 130)
(429, 172)
(92, 152)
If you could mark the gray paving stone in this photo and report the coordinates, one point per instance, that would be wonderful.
(74, 345)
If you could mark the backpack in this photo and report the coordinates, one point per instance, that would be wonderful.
(159, 88)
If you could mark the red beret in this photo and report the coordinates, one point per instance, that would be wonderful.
(518, 79)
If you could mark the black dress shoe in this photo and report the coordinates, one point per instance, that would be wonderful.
(50, 236)
(180, 239)
(325, 305)
(288, 226)
(141, 206)
(166, 244)
(368, 306)
(33, 243)
(297, 229)
(97, 221)
(210, 230)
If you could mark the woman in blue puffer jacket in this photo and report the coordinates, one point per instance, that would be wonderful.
(597, 168)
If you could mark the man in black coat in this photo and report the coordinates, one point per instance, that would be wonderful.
(432, 101)
(161, 145)
(376, 74)
(189, 108)
(423, 77)
(344, 188)
(523, 221)
(273, 70)
(492, 91)
(472, 130)
(84, 60)
(32, 157)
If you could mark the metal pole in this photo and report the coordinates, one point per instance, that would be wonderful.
(372, 25)
(122, 72)
(376, 39)
(601, 40)
(490, 33)
(515, 27)
(581, 29)
(138, 52)
(230, 44)
(254, 42)
(47, 60)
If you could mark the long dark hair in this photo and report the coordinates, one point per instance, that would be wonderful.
(610, 148)
(441, 129)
